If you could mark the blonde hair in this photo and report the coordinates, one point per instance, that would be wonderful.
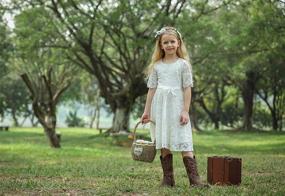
(158, 53)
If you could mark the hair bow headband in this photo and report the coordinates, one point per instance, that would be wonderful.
(164, 29)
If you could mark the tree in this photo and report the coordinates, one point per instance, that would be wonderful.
(5, 50)
(91, 98)
(203, 37)
(266, 77)
(271, 87)
(214, 110)
(112, 43)
(45, 71)
(14, 97)
(72, 120)
(85, 91)
(238, 46)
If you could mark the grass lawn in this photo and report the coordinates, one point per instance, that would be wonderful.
(91, 164)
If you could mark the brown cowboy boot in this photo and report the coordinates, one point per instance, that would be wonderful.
(192, 172)
(167, 167)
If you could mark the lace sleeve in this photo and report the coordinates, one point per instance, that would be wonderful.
(152, 80)
(187, 78)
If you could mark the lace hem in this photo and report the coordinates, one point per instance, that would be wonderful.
(177, 147)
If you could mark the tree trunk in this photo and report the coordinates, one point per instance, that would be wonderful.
(98, 118)
(121, 119)
(47, 119)
(45, 96)
(2, 116)
(52, 136)
(34, 121)
(274, 121)
(248, 90)
(49, 124)
(281, 124)
(216, 123)
(23, 121)
(93, 115)
(14, 116)
(212, 115)
(248, 108)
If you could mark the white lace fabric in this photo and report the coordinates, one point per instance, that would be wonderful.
(167, 104)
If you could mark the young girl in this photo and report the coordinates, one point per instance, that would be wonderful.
(168, 101)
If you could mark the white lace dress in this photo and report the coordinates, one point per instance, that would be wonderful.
(167, 104)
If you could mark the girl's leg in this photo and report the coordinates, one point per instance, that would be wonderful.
(165, 152)
(187, 154)
(190, 164)
(166, 160)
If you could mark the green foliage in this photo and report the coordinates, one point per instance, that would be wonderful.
(239, 37)
(89, 164)
(3, 59)
(14, 97)
(231, 116)
(35, 36)
(72, 120)
(6, 48)
(232, 109)
(84, 90)
(262, 117)
(226, 39)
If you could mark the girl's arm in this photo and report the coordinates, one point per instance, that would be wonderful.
(146, 115)
(184, 118)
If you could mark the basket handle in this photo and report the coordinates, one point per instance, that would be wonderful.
(137, 127)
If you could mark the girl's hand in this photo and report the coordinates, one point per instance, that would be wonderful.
(145, 117)
(184, 118)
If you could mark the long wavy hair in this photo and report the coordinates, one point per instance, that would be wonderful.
(159, 54)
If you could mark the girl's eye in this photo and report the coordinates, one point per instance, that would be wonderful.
(173, 41)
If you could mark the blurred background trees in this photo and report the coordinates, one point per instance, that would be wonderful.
(236, 50)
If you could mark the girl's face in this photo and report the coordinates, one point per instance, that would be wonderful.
(169, 44)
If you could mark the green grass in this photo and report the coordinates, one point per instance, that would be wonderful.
(91, 164)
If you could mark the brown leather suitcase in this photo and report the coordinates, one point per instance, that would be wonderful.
(224, 170)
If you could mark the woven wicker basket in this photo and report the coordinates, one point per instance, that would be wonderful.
(143, 151)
